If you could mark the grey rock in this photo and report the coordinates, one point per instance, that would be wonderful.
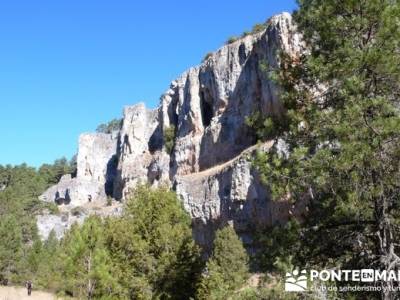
(139, 130)
(209, 103)
(57, 223)
(96, 167)
(231, 193)
(96, 152)
(209, 165)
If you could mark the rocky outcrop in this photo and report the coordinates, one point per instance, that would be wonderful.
(56, 223)
(232, 193)
(140, 137)
(67, 216)
(97, 158)
(209, 165)
(208, 104)
(96, 170)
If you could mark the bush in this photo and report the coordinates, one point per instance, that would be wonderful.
(258, 27)
(109, 201)
(231, 40)
(52, 173)
(169, 138)
(110, 127)
(246, 33)
(87, 263)
(78, 211)
(271, 293)
(152, 247)
(207, 56)
(51, 207)
(279, 243)
(263, 127)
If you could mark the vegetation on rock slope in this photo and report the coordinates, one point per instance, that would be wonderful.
(341, 127)
(148, 253)
(110, 127)
(20, 187)
(343, 159)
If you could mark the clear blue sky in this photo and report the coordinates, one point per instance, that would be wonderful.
(67, 66)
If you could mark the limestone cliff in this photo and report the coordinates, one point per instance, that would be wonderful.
(209, 165)
(96, 167)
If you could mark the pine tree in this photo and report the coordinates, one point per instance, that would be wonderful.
(227, 268)
(341, 129)
(44, 265)
(10, 248)
(152, 247)
(87, 267)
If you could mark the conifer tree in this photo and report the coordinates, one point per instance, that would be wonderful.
(342, 129)
(50, 268)
(10, 248)
(87, 268)
(152, 247)
(227, 268)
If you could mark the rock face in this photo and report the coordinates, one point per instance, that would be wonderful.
(68, 215)
(208, 104)
(96, 170)
(232, 193)
(140, 130)
(97, 159)
(209, 166)
(59, 224)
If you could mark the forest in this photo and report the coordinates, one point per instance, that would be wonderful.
(341, 128)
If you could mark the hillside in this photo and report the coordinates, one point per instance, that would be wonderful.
(206, 108)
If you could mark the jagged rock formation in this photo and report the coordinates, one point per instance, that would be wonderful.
(96, 168)
(96, 171)
(140, 129)
(209, 165)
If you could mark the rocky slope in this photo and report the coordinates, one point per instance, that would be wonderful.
(209, 166)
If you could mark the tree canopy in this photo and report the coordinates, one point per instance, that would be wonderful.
(341, 128)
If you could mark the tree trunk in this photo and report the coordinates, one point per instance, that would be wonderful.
(388, 259)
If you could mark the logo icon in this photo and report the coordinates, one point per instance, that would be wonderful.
(367, 275)
(296, 281)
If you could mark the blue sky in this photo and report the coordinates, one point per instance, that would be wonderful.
(67, 66)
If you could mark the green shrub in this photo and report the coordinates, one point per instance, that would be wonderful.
(152, 247)
(207, 56)
(258, 27)
(227, 268)
(263, 127)
(78, 211)
(246, 33)
(169, 138)
(51, 207)
(279, 244)
(109, 201)
(231, 40)
(111, 126)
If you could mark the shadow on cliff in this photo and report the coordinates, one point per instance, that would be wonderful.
(253, 212)
(248, 216)
(253, 92)
(117, 183)
(111, 174)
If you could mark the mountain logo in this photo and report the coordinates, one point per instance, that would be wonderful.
(296, 281)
